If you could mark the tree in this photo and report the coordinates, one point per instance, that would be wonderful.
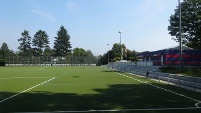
(4, 51)
(129, 55)
(103, 59)
(91, 59)
(25, 43)
(89, 53)
(190, 22)
(83, 56)
(48, 51)
(40, 41)
(79, 52)
(62, 44)
(115, 53)
(99, 60)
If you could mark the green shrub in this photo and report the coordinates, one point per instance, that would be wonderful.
(188, 71)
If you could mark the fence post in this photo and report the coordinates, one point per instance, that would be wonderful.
(194, 83)
(168, 78)
(179, 81)
(152, 75)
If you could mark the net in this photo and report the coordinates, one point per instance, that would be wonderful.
(50, 61)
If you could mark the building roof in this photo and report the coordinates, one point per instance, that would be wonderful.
(163, 50)
(178, 48)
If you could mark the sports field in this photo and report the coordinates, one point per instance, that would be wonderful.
(89, 89)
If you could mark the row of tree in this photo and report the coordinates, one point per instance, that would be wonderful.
(111, 56)
(39, 45)
(114, 54)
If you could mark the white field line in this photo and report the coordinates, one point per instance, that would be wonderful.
(151, 109)
(78, 84)
(24, 77)
(196, 104)
(26, 90)
(119, 110)
(33, 86)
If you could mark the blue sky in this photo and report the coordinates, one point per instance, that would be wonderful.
(92, 24)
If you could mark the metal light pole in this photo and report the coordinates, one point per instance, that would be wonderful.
(108, 55)
(180, 38)
(72, 58)
(120, 47)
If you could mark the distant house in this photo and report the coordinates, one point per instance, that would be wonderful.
(171, 57)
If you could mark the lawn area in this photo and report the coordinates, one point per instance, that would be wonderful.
(186, 71)
(88, 89)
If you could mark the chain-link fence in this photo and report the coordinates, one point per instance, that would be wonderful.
(50, 60)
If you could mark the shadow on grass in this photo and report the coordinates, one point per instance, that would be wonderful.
(118, 96)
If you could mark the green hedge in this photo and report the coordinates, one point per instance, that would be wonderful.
(188, 71)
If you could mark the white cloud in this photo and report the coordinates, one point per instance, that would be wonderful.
(45, 15)
(151, 6)
(160, 5)
(145, 6)
(148, 10)
(71, 5)
(32, 3)
(37, 10)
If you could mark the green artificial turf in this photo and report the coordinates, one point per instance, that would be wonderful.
(49, 89)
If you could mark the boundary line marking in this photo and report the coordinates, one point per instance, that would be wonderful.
(23, 77)
(26, 90)
(196, 104)
(118, 110)
(33, 86)
(149, 109)
(79, 84)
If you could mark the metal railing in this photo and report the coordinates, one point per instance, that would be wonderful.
(186, 81)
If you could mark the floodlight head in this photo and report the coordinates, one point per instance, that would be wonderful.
(119, 31)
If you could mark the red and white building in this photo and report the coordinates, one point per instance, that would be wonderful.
(170, 57)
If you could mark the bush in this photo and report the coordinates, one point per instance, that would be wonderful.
(188, 71)
(170, 69)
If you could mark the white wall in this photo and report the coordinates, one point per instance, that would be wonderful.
(144, 63)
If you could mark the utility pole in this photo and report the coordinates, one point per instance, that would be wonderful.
(120, 47)
(180, 38)
(108, 55)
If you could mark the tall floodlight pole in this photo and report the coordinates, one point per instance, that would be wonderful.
(180, 38)
(120, 47)
(108, 54)
(72, 57)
